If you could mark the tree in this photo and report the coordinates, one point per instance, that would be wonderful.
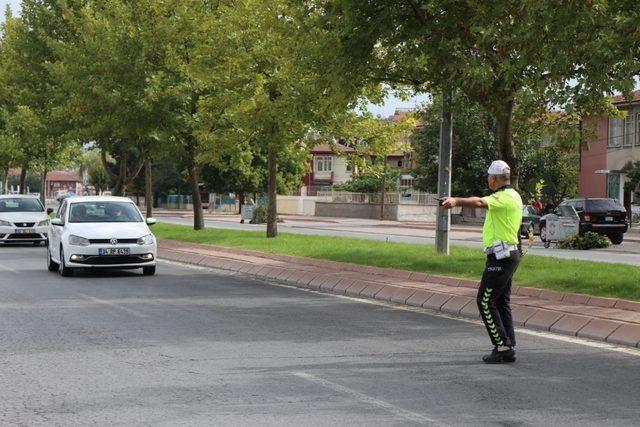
(495, 53)
(546, 144)
(103, 70)
(278, 60)
(374, 140)
(91, 165)
(473, 147)
(128, 75)
(28, 94)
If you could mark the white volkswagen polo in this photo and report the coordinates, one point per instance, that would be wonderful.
(22, 220)
(104, 232)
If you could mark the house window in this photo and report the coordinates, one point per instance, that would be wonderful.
(628, 130)
(324, 164)
(613, 186)
(399, 163)
(615, 132)
(638, 129)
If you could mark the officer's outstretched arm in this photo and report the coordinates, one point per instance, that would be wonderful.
(467, 202)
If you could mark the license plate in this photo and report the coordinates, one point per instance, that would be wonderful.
(608, 218)
(113, 251)
(25, 231)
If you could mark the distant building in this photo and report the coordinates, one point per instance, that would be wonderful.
(63, 181)
(329, 166)
(612, 151)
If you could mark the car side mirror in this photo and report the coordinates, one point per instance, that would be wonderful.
(151, 221)
(57, 221)
(49, 211)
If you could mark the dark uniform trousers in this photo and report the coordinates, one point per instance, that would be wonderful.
(493, 298)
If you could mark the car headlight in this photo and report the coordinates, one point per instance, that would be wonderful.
(5, 224)
(78, 241)
(43, 223)
(146, 240)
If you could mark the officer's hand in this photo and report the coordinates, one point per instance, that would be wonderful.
(449, 202)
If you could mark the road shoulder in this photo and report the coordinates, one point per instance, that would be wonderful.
(610, 320)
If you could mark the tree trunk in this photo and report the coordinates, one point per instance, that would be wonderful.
(505, 143)
(43, 188)
(383, 189)
(23, 179)
(241, 199)
(148, 186)
(272, 208)
(120, 186)
(198, 217)
(5, 181)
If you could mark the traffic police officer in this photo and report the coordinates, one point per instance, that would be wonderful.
(500, 236)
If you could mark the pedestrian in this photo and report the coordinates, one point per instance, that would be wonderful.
(501, 238)
(550, 207)
(538, 206)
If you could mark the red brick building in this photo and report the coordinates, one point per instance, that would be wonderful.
(614, 147)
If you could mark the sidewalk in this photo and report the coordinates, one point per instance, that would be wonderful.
(602, 319)
(409, 228)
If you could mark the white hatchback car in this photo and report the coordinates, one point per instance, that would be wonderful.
(100, 232)
(23, 219)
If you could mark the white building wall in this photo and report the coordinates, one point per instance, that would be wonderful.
(340, 173)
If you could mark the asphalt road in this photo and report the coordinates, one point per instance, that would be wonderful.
(201, 347)
(627, 253)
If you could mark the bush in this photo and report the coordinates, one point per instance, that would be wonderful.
(259, 215)
(590, 240)
(369, 182)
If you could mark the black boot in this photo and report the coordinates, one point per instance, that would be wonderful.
(505, 356)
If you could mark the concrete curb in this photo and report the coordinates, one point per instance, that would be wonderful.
(597, 318)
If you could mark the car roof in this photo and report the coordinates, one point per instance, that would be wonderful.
(588, 198)
(18, 196)
(78, 199)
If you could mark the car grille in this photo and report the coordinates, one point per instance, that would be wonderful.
(112, 259)
(108, 241)
(24, 236)
(24, 224)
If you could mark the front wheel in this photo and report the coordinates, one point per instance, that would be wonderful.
(149, 271)
(51, 264)
(62, 268)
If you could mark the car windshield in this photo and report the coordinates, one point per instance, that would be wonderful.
(20, 204)
(600, 205)
(104, 212)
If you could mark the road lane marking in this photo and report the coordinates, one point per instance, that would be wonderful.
(114, 305)
(364, 398)
(9, 269)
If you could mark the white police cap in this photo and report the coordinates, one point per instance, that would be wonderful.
(499, 167)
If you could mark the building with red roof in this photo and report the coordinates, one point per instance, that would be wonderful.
(62, 181)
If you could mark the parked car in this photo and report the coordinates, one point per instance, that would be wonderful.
(23, 219)
(100, 232)
(603, 216)
(530, 222)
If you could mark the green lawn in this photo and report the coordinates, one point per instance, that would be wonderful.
(610, 280)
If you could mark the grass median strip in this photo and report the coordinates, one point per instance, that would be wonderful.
(593, 278)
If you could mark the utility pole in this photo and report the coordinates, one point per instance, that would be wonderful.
(444, 174)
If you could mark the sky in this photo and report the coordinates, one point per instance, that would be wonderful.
(15, 7)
